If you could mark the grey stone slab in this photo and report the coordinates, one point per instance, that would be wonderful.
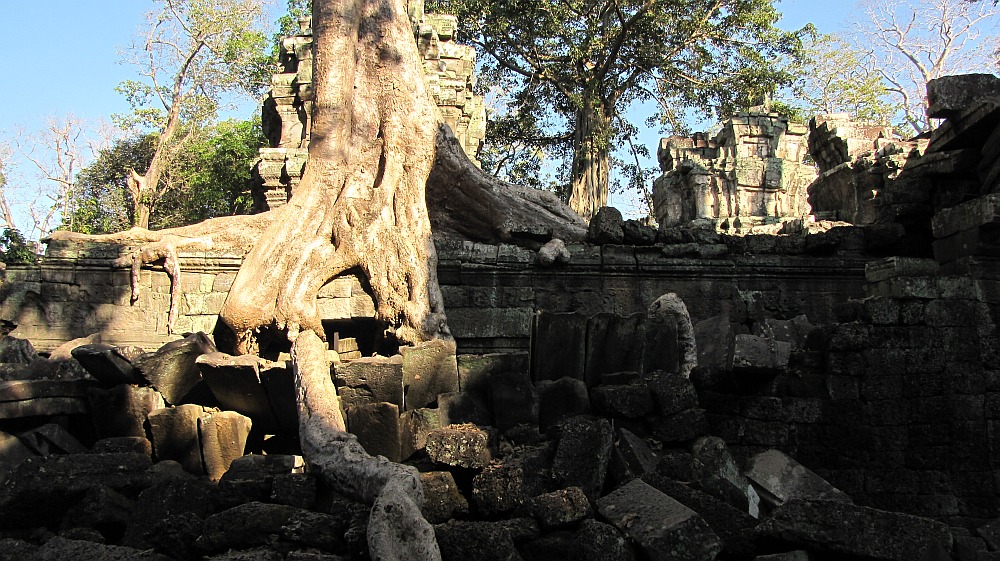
(779, 478)
(558, 346)
(614, 344)
(107, 364)
(370, 380)
(583, 454)
(223, 437)
(465, 446)
(122, 410)
(171, 369)
(378, 429)
(175, 436)
(514, 400)
(235, 383)
(429, 369)
(664, 528)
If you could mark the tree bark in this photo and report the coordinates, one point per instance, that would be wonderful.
(591, 155)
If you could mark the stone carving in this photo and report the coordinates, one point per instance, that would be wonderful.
(669, 308)
(287, 109)
(855, 160)
(751, 172)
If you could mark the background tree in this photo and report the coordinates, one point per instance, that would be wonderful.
(5, 213)
(587, 61)
(913, 42)
(194, 52)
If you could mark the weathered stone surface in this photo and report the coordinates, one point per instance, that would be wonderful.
(14, 350)
(672, 393)
(489, 541)
(123, 409)
(779, 478)
(754, 354)
(415, 426)
(60, 549)
(159, 510)
(606, 227)
(465, 446)
(506, 483)
(715, 337)
(255, 554)
(614, 344)
(51, 439)
(797, 555)
(991, 533)
(442, 500)
(107, 364)
(251, 477)
(474, 370)
(175, 436)
(558, 509)
(561, 399)
(377, 428)
(514, 400)
(630, 401)
(633, 455)
(12, 453)
(223, 437)
(681, 427)
(102, 509)
(554, 251)
(16, 550)
(29, 398)
(370, 380)
(669, 316)
(736, 528)
(39, 489)
(458, 408)
(722, 477)
(558, 346)
(123, 445)
(836, 527)
(171, 369)
(278, 381)
(583, 453)
(429, 369)
(294, 489)
(235, 383)
(258, 523)
(950, 95)
(664, 528)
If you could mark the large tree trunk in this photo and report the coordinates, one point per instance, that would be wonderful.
(591, 155)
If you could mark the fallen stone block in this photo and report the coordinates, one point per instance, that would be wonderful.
(662, 527)
(558, 509)
(294, 489)
(561, 399)
(721, 477)
(16, 550)
(251, 477)
(681, 427)
(797, 555)
(102, 509)
(60, 549)
(370, 380)
(672, 393)
(223, 438)
(514, 400)
(172, 368)
(606, 227)
(108, 364)
(752, 354)
(779, 478)
(486, 541)
(583, 453)
(633, 455)
(614, 344)
(991, 533)
(558, 346)
(429, 369)
(170, 515)
(15, 350)
(32, 398)
(377, 428)
(507, 483)
(458, 408)
(465, 446)
(123, 409)
(279, 382)
(840, 528)
(474, 370)
(416, 425)
(39, 490)
(949, 96)
(629, 401)
(442, 499)
(235, 383)
(715, 337)
(255, 523)
(12, 453)
(51, 439)
(175, 436)
(123, 445)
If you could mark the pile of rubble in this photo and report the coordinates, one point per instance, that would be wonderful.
(590, 463)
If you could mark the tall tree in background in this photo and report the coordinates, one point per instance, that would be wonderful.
(194, 52)
(913, 42)
(589, 60)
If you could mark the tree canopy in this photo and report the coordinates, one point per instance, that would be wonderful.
(569, 69)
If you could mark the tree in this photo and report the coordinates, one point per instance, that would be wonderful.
(194, 52)
(836, 77)
(101, 201)
(913, 42)
(587, 61)
(360, 206)
(5, 212)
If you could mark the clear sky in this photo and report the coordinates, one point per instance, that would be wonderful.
(62, 56)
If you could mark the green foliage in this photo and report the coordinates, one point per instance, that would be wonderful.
(210, 177)
(552, 58)
(14, 248)
(835, 77)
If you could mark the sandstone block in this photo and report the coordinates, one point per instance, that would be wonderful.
(416, 425)
(294, 489)
(60, 548)
(754, 354)
(108, 364)
(487, 541)
(442, 500)
(223, 438)
(514, 400)
(31, 398)
(583, 453)
(429, 369)
(377, 428)
(779, 478)
(664, 528)
(672, 393)
(235, 383)
(948, 96)
(122, 410)
(559, 509)
(614, 344)
(465, 446)
(175, 436)
(630, 401)
(558, 346)
(507, 483)
(681, 427)
(458, 408)
(561, 399)
(370, 380)
(172, 369)
(123, 445)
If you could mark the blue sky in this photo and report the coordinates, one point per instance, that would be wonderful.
(63, 55)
